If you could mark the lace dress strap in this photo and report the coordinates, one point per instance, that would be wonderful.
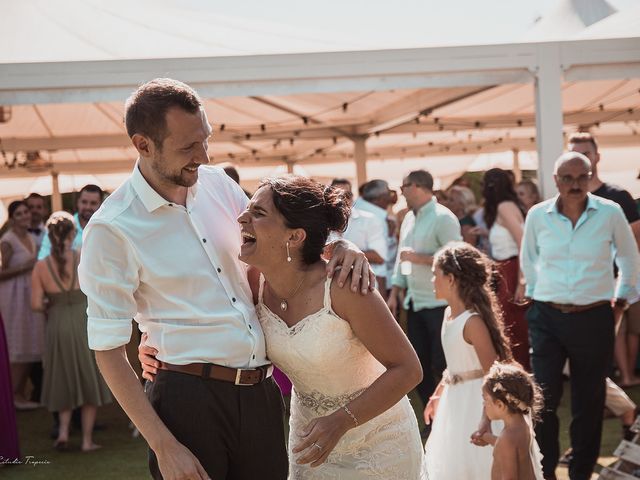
(261, 289)
(327, 294)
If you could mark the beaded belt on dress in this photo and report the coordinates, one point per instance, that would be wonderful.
(323, 404)
(460, 377)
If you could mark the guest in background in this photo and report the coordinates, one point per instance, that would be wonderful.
(528, 194)
(9, 448)
(365, 230)
(426, 228)
(38, 210)
(505, 220)
(462, 202)
(569, 244)
(25, 328)
(89, 200)
(39, 214)
(71, 377)
(375, 199)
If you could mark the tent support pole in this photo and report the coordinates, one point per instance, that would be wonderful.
(56, 197)
(360, 156)
(548, 91)
(517, 172)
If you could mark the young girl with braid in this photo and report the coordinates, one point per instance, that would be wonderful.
(511, 395)
(71, 377)
(472, 340)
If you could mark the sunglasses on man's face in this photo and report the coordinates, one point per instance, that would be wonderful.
(570, 180)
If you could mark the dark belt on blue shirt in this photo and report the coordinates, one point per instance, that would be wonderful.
(568, 308)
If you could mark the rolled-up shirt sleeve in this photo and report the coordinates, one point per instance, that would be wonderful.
(626, 256)
(529, 255)
(108, 275)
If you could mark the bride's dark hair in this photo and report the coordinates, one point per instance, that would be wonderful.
(472, 271)
(316, 208)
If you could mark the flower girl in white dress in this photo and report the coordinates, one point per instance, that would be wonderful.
(472, 339)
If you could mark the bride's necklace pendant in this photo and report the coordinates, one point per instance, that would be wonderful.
(284, 305)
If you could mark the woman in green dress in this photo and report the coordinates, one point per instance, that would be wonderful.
(71, 376)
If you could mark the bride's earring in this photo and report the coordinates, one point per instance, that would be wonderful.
(288, 254)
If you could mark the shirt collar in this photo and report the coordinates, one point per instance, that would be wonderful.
(592, 204)
(427, 207)
(151, 199)
(372, 208)
(76, 218)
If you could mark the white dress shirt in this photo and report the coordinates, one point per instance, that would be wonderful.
(175, 270)
(378, 224)
(365, 232)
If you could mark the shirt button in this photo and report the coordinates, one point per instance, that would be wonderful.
(219, 270)
(249, 327)
(254, 357)
(171, 204)
(204, 240)
(233, 299)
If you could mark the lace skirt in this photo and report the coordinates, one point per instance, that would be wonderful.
(386, 447)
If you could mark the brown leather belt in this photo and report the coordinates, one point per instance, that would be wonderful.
(568, 308)
(238, 376)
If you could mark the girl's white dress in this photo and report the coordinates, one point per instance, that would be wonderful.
(449, 454)
(328, 367)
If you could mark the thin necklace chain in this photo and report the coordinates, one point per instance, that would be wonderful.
(284, 300)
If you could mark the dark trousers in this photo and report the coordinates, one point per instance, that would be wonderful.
(236, 432)
(424, 329)
(586, 340)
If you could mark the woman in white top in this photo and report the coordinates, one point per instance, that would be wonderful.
(505, 220)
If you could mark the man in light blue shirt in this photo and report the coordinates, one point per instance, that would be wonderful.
(89, 200)
(426, 228)
(568, 247)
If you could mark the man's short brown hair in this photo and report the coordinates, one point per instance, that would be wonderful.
(146, 108)
(583, 137)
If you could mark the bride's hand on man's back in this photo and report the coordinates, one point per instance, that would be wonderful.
(147, 357)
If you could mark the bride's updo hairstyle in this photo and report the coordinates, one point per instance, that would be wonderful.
(312, 206)
(472, 271)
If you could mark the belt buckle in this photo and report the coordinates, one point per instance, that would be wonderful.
(239, 375)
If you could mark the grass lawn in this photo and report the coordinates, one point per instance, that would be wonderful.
(124, 458)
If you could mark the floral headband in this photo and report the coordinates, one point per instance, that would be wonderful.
(511, 399)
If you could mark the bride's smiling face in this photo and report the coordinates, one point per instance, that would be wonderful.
(263, 230)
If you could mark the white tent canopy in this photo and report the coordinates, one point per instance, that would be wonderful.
(64, 99)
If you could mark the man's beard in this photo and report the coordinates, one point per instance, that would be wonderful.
(172, 177)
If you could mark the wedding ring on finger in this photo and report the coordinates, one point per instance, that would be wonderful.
(317, 446)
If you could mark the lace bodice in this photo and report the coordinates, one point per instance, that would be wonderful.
(320, 353)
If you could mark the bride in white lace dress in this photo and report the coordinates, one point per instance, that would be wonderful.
(350, 364)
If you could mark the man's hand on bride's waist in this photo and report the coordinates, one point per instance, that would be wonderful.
(147, 357)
